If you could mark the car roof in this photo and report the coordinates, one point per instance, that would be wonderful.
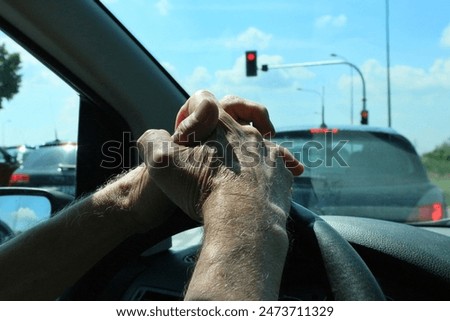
(57, 143)
(350, 128)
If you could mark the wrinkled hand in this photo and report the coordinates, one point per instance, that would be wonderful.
(211, 153)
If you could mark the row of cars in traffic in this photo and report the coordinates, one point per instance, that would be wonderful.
(349, 171)
(49, 166)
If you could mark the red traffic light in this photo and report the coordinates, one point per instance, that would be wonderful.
(364, 117)
(250, 63)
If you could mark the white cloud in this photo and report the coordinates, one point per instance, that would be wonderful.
(234, 80)
(199, 79)
(331, 21)
(250, 38)
(163, 7)
(25, 213)
(445, 39)
(412, 78)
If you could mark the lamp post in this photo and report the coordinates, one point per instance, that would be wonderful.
(388, 65)
(351, 85)
(324, 63)
(322, 96)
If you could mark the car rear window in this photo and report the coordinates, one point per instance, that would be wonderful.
(364, 158)
(53, 156)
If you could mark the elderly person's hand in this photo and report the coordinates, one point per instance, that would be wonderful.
(226, 175)
(211, 153)
(195, 123)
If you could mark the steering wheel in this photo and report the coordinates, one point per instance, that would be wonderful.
(347, 274)
(5, 232)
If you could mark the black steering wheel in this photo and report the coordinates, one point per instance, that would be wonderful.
(347, 274)
(5, 232)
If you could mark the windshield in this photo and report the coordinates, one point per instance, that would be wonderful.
(326, 64)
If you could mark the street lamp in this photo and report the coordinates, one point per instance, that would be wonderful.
(324, 63)
(322, 96)
(351, 85)
(388, 65)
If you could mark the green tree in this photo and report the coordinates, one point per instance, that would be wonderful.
(9, 74)
(438, 160)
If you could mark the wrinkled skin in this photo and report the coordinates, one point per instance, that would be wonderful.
(221, 171)
(211, 153)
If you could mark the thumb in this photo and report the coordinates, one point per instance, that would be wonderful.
(172, 169)
(196, 119)
(156, 148)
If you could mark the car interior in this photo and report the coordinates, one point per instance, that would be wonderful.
(123, 91)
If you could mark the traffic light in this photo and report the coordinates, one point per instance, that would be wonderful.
(364, 117)
(250, 61)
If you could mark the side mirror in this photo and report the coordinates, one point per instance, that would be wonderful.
(23, 208)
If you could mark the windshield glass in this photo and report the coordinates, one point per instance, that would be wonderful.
(326, 63)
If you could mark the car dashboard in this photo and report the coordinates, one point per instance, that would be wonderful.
(408, 262)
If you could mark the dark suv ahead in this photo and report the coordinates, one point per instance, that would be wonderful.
(362, 171)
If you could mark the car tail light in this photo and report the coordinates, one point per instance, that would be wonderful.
(431, 212)
(18, 179)
(323, 130)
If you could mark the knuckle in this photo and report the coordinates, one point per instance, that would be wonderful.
(231, 100)
(252, 132)
(203, 93)
(204, 96)
(263, 110)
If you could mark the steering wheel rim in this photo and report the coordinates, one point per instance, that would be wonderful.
(348, 276)
(5, 232)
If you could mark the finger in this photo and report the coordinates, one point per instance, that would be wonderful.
(156, 147)
(196, 119)
(246, 112)
(291, 162)
(169, 162)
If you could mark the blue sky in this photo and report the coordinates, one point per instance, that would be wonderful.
(202, 45)
(44, 108)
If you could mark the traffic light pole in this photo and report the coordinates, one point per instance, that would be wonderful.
(324, 63)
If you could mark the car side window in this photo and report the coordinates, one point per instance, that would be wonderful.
(38, 122)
